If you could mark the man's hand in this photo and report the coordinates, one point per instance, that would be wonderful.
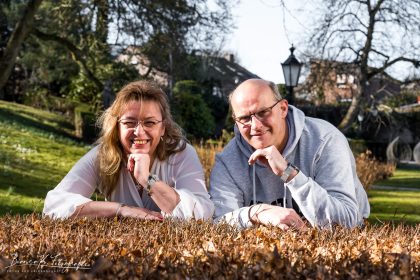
(283, 218)
(271, 157)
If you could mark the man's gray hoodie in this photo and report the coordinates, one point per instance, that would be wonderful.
(326, 191)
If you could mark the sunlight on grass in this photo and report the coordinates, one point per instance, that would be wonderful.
(35, 154)
(394, 206)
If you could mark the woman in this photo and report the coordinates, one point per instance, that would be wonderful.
(142, 165)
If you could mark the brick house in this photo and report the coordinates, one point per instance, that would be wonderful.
(332, 82)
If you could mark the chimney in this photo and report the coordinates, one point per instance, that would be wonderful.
(230, 57)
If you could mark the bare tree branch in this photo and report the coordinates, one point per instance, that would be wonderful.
(78, 55)
(374, 35)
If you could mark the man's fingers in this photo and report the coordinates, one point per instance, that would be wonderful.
(258, 154)
(297, 223)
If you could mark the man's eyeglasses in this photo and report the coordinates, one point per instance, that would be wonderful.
(133, 124)
(260, 115)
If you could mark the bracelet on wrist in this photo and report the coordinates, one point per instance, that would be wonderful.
(118, 209)
(249, 215)
(151, 180)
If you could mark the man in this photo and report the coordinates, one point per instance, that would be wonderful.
(283, 167)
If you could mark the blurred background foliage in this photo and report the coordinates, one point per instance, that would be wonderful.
(71, 51)
(191, 112)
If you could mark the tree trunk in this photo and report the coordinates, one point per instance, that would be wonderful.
(357, 102)
(351, 114)
(21, 31)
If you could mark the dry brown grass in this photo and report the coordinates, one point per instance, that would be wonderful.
(133, 249)
(371, 170)
(207, 153)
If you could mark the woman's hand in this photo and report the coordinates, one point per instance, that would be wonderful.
(140, 213)
(112, 209)
(138, 165)
(165, 197)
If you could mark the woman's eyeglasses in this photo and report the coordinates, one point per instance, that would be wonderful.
(260, 115)
(133, 124)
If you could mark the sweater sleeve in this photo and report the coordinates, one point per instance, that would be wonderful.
(228, 199)
(75, 189)
(330, 196)
(190, 185)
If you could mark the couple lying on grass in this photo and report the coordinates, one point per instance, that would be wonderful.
(281, 168)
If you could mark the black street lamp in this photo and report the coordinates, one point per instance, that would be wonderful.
(291, 71)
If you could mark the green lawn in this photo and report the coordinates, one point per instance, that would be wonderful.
(36, 150)
(407, 176)
(395, 204)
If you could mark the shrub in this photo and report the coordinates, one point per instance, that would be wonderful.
(371, 170)
(207, 154)
(190, 110)
(136, 249)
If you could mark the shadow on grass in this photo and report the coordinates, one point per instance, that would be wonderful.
(413, 183)
(11, 116)
(27, 185)
(16, 210)
(28, 178)
(409, 166)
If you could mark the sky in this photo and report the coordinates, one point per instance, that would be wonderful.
(261, 40)
(265, 32)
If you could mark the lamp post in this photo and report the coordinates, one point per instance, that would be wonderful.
(291, 71)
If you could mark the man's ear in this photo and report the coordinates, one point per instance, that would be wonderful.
(284, 107)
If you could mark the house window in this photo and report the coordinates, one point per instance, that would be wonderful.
(340, 79)
(344, 80)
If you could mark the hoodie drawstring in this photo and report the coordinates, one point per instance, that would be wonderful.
(285, 195)
(253, 184)
(254, 191)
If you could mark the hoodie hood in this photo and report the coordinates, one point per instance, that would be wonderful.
(326, 190)
(295, 120)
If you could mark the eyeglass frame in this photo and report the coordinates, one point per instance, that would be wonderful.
(139, 122)
(261, 119)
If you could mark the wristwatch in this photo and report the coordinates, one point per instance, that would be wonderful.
(151, 180)
(286, 173)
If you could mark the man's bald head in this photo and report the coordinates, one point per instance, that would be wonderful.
(256, 84)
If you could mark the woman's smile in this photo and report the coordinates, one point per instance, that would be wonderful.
(141, 141)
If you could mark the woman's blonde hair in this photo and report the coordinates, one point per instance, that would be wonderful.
(111, 154)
